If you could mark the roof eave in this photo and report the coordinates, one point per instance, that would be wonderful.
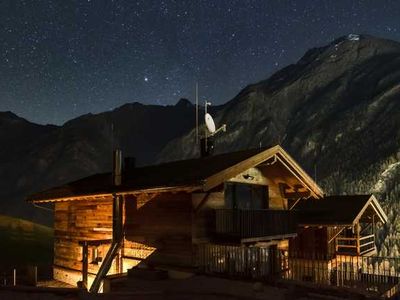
(376, 207)
(255, 160)
(102, 196)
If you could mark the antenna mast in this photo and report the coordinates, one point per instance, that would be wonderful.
(197, 112)
(205, 113)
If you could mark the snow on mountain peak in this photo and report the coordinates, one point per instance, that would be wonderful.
(353, 37)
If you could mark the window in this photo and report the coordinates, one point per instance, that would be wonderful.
(246, 196)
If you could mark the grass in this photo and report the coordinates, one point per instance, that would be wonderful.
(24, 243)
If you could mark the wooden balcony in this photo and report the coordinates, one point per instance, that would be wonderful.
(255, 225)
(356, 246)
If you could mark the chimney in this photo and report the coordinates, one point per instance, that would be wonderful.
(129, 163)
(206, 146)
(117, 167)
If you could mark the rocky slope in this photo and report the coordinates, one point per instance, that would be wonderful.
(337, 111)
(34, 157)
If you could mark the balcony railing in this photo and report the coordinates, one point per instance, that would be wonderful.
(248, 224)
(354, 245)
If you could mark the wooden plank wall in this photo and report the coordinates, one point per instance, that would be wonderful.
(77, 221)
(158, 230)
(310, 241)
(204, 205)
(331, 233)
(277, 175)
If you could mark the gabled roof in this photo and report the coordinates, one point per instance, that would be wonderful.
(338, 210)
(193, 174)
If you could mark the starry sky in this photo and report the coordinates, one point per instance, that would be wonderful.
(63, 58)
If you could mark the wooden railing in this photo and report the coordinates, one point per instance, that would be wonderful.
(354, 245)
(254, 223)
(366, 244)
(380, 275)
(25, 275)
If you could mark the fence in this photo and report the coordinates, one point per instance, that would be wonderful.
(24, 275)
(371, 273)
(242, 262)
(355, 246)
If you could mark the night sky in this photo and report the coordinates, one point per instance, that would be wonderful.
(60, 59)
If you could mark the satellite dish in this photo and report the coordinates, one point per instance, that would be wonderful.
(209, 123)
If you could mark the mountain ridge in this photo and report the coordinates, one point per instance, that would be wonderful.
(35, 157)
(336, 111)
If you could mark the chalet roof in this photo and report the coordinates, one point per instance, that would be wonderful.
(201, 173)
(338, 210)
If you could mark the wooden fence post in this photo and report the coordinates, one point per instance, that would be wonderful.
(85, 264)
(14, 277)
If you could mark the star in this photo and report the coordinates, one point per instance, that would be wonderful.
(92, 57)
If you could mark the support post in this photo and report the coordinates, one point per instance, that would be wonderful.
(117, 217)
(358, 237)
(85, 250)
(14, 277)
(117, 230)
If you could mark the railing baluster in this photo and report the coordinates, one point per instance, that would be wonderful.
(253, 223)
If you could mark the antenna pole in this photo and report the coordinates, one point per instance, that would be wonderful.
(197, 112)
(112, 142)
(205, 129)
(315, 172)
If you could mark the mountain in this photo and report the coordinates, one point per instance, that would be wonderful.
(337, 111)
(34, 157)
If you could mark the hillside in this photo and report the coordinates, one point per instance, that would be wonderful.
(24, 243)
(337, 111)
(34, 157)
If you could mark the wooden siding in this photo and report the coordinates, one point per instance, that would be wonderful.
(79, 221)
(282, 184)
(204, 205)
(310, 241)
(158, 229)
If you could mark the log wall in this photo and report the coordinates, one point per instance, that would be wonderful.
(158, 229)
(204, 205)
(77, 221)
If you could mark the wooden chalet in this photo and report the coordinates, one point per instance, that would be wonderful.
(235, 213)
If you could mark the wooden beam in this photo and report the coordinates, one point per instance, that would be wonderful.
(108, 196)
(85, 264)
(232, 171)
(294, 204)
(268, 238)
(259, 158)
(202, 202)
(375, 206)
(294, 195)
(313, 185)
(358, 237)
(95, 242)
(333, 238)
(299, 179)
